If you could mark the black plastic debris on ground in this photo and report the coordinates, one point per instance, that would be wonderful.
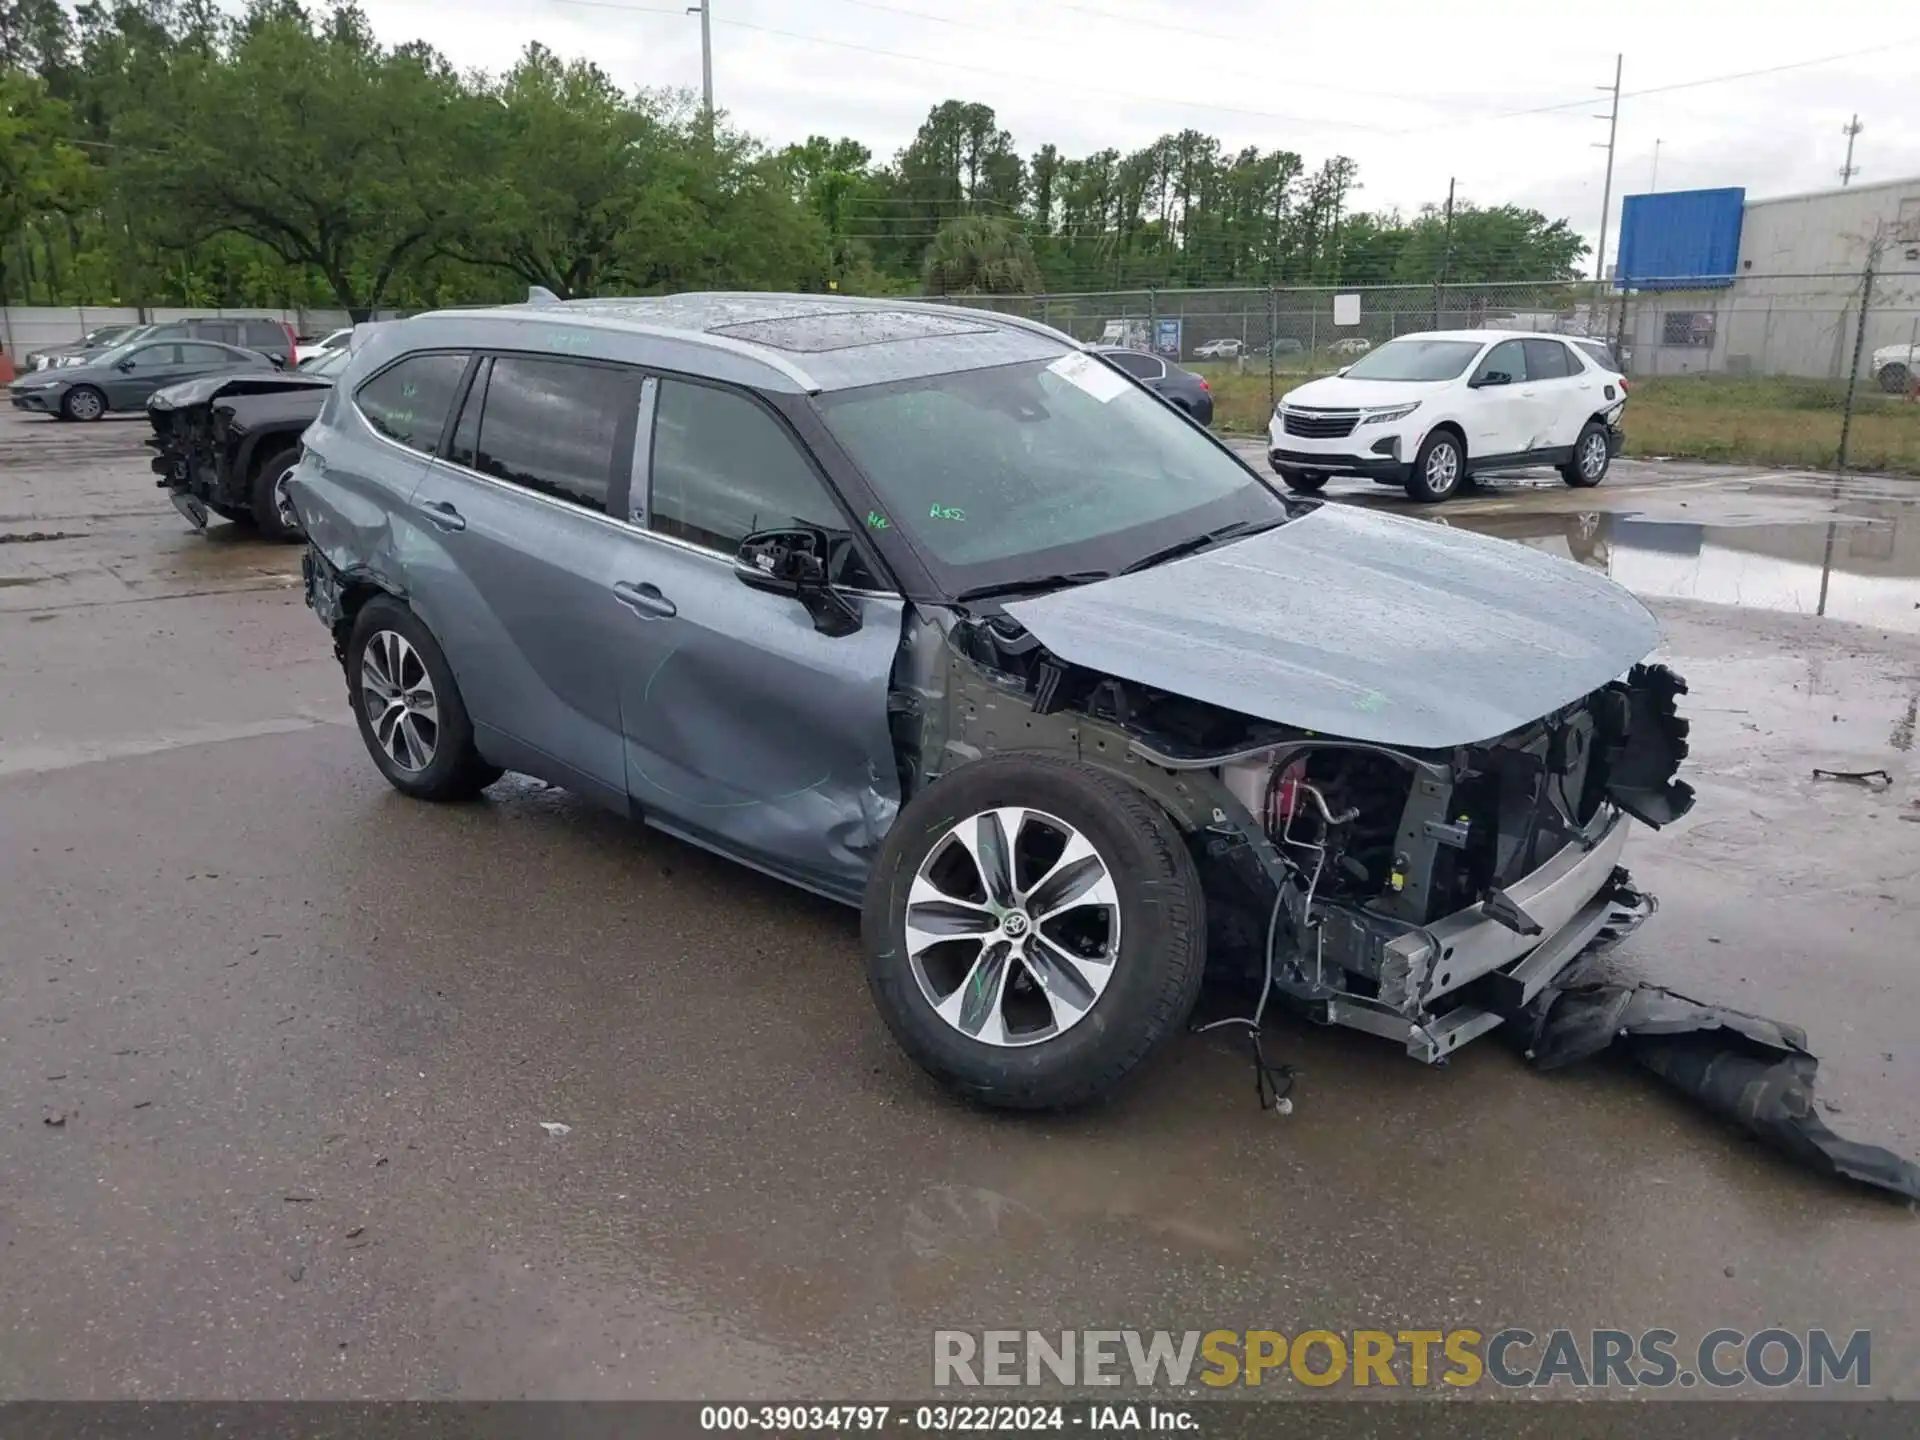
(1755, 1072)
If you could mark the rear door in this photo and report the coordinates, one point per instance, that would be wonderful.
(748, 729)
(1563, 387)
(519, 558)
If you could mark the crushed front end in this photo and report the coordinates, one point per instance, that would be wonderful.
(1426, 896)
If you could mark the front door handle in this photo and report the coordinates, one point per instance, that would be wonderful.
(442, 513)
(646, 601)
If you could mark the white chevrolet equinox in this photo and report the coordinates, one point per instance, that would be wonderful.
(1426, 411)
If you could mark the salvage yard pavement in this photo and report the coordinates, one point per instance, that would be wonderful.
(283, 1056)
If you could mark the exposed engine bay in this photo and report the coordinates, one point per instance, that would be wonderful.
(1422, 895)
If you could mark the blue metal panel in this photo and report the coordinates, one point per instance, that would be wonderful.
(1679, 239)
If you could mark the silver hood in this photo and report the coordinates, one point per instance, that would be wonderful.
(1358, 625)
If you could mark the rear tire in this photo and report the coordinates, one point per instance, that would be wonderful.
(1307, 482)
(1439, 469)
(409, 710)
(1592, 453)
(267, 502)
(1895, 379)
(1101, 967)
(82, 402)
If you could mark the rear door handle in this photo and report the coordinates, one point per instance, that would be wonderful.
(442, 513)
(646, 601)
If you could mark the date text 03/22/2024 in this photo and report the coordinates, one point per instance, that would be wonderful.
(949, 1419)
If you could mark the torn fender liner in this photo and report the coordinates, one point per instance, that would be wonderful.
(1756, 1072)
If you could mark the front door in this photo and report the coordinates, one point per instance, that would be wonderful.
(141, 373)
(746, 728)
(517, 565)
(1501, 420)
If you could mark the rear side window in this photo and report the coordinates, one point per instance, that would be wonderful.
(1602, 355)
(264, 332)
(555, 426)
(206, 355)
(409, 402)
(723, 467)
(1547, 360)
(1145, 367)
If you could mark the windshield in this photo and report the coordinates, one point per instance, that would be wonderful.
(104, 334)
(1024, 471)
(1416, 360)
(115, 355)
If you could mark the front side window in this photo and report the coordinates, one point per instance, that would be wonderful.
(554, 426)
(150, 357)
(408, 402)
(1508, 358)
(1013, 473)
(1430, 360)
(723, 467)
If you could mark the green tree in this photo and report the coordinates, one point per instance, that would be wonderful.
(318, 143)
(40, 172)
(980, 255)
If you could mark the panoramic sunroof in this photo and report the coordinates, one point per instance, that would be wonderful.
(845, 329)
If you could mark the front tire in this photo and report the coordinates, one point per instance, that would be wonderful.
(1439, 469)
(1895, 379)
(267, 500)
(82, 402)
(1034, 931)
(409, 710)
(1592, 453)
(1306, 482)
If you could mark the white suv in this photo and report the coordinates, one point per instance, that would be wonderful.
(1427, 411)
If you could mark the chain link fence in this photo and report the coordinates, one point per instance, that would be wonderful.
(1837, 343)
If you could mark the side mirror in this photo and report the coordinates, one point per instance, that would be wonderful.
(278, 362)
(124, 366)
(793, 562)
(1489, 377)
(1343, 370)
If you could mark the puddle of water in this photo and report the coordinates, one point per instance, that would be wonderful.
(1863, 568)
(8, 580)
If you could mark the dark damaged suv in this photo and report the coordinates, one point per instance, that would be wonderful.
(930, 611)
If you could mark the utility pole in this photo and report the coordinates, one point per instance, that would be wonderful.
(1446, 248)
(1852, 128)
(706, 55)
(1612, 117)
(1654, 183)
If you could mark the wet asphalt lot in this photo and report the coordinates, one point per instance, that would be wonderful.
(299, 1034)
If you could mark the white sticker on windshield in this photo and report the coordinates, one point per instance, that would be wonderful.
(1086, 373)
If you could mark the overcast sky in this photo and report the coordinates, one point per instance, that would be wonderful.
(1413, 92)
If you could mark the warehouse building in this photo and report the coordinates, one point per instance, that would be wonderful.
(1717, 283)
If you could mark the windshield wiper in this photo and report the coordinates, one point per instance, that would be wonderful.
(1174, 551)
(1033, 585)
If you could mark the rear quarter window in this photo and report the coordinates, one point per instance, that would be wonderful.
(409, 401)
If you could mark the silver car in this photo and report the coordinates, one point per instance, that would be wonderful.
(930, 611)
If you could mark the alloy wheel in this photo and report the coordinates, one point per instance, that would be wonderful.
(1593, 455)
(1443, 469)
(397, 693)
(1013, 927)
(283, 503)
(84, 405)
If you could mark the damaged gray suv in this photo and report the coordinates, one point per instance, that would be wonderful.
(933, 612)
